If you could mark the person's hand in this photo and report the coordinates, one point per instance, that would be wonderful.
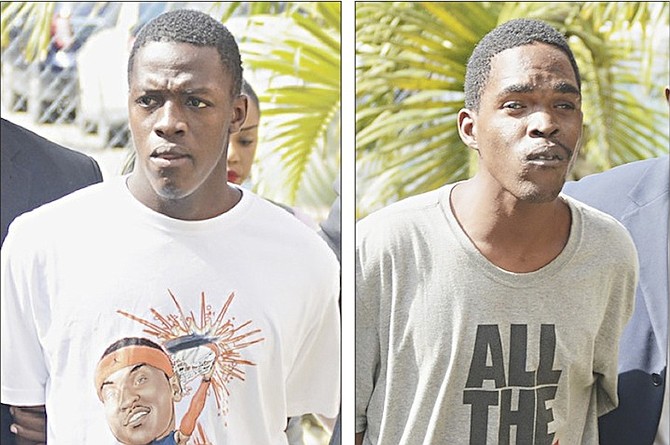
(30, 424)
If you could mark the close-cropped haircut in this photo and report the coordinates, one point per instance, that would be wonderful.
(195, 28)
(517, 32)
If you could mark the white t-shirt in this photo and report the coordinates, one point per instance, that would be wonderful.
(98, 266)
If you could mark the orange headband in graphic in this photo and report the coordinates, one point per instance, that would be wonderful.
(128, 356)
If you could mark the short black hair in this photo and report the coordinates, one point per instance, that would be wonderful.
(248, 91)
(130, 341)
(195, 28)
(517, 32)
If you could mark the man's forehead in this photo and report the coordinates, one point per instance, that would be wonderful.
(126, 372)
(535, 66)
(171, 46)
(548, 54)
(158, 57)
(181, 81)
(533, 84)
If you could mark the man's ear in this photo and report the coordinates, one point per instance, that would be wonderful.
(467, 128)
(175, 387)
(240, 104)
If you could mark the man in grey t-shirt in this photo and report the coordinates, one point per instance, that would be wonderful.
(489, 311)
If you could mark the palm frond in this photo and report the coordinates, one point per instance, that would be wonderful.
(411, 60)
(301, 106)
(35, 16)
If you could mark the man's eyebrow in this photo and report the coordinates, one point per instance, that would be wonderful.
(250, 127)
(148, 89)
(559, 87)
(136, 367)
(516, 88)
(567, 88)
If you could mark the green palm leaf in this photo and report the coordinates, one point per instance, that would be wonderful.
(411, 60)
(37, 16)
(299, 153)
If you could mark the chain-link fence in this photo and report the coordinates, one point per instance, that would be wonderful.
(80, 78)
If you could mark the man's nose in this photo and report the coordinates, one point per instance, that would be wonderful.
(542, 123)
(128, 398)
(170, 120)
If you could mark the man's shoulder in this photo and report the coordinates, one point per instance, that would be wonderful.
(267, 220)
(402, 213)
(71, 210)
(266, 210)
(609, 191)
(289, 244)
(399, 226)
(602, 231)
(27, 146)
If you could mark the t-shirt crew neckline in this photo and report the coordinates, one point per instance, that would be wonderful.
(225, 220)
(505, 277)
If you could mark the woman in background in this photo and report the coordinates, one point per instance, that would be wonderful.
(242, 151)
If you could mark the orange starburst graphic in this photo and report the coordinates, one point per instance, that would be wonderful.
(200, 438)
(214, 328)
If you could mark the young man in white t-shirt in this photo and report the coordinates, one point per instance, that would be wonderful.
(174, 254)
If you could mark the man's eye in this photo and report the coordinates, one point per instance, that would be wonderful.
(108, 393)
(195, 102)
(512, 105)
(246, 142)
(566, 106)
(140, 379)
(146, 101)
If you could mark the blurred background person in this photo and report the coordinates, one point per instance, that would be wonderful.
(242, 152)
(243, 145)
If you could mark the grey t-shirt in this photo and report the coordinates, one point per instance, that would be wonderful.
(451, 349)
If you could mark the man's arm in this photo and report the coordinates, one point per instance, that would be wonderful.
(30, 424)
(368, 355)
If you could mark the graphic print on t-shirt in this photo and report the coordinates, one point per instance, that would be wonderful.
(501, 391)
(139, 380)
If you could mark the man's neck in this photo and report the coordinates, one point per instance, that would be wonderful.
(514, 235)
(188, 208)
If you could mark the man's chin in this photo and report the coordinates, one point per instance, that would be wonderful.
(539, 195)
(169, 190)
(540, 190)
(162, 187)
(134, 436)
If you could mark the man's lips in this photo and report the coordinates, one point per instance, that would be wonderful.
(169, 156)
(549, 155)
(136, 416)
